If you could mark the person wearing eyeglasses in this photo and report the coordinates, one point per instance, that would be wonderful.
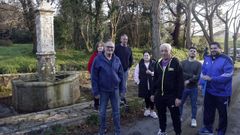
(217, 72)
(191, 75)
(107, 84)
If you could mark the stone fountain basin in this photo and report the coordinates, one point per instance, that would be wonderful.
(30, 95)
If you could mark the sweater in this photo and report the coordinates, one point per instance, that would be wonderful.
(91, 61)
(191, 72)
(125, 56)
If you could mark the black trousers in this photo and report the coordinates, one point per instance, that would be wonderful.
(148, 102)
(96, 103)
(211, 104)
(162, 103)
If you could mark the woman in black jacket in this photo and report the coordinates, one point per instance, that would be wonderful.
(143, 77)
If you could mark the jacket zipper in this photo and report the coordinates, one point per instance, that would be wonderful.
(164, 73)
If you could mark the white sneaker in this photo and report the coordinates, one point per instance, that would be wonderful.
(153, 115)
(161, 133)
(147, 112)
(193, 123)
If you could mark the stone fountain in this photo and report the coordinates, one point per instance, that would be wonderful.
(46, 89)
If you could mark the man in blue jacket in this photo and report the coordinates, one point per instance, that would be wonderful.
(217, 72)
(107, 84)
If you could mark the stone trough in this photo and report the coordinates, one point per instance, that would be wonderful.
(30, 95)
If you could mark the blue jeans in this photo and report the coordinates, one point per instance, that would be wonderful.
(193, 93)
(115, 103)
(125, 78)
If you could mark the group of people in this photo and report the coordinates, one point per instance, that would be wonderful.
(164, 83)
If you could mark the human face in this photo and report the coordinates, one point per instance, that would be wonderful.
(146, 57)
(215, 50)
(109, 48)
(165, 53)
(124, 40)
(192, 53)
(100, 48)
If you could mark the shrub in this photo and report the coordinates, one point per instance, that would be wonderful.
(5, 42)
(92, 120)
(21, 36)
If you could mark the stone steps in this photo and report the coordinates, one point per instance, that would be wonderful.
(32, 122)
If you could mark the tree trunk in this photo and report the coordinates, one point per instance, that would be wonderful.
(234, 46)
(188, 25)
(226, 38)
(98, 30)
(156, 10)
(76, 35)
(175, 34)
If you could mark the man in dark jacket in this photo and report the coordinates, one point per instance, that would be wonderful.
(167, 89)
(107, 84)
(124, 52)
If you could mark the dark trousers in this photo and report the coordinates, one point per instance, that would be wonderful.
(211, 103)
(162, 102)
(96, 103)
(149, 103)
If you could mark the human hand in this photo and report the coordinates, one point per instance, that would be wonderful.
(97, 97)
(152, 98)
(186, 82)
(177, 102)
(206, 78)
(148, 71)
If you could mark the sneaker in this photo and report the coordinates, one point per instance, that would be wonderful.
(147, 112)
(193, 123)
(205, 131)
(161, 133)
(153, 115)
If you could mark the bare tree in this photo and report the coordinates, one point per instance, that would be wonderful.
(206, 9)
(177, 11)
(114, 14)
(236, 28)
(227, 19)
(188, 12)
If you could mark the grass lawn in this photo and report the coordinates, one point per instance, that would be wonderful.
(19, 58)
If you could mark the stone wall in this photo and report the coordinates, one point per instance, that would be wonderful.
(5, 82)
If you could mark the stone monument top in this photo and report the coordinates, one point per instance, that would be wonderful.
(45, 5)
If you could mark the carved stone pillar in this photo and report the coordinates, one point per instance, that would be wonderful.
(45, 42)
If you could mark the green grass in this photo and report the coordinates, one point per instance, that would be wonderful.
(19, 58)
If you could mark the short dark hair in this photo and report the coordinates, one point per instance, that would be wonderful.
(216, 43)
(192, 47)
(146, 52)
